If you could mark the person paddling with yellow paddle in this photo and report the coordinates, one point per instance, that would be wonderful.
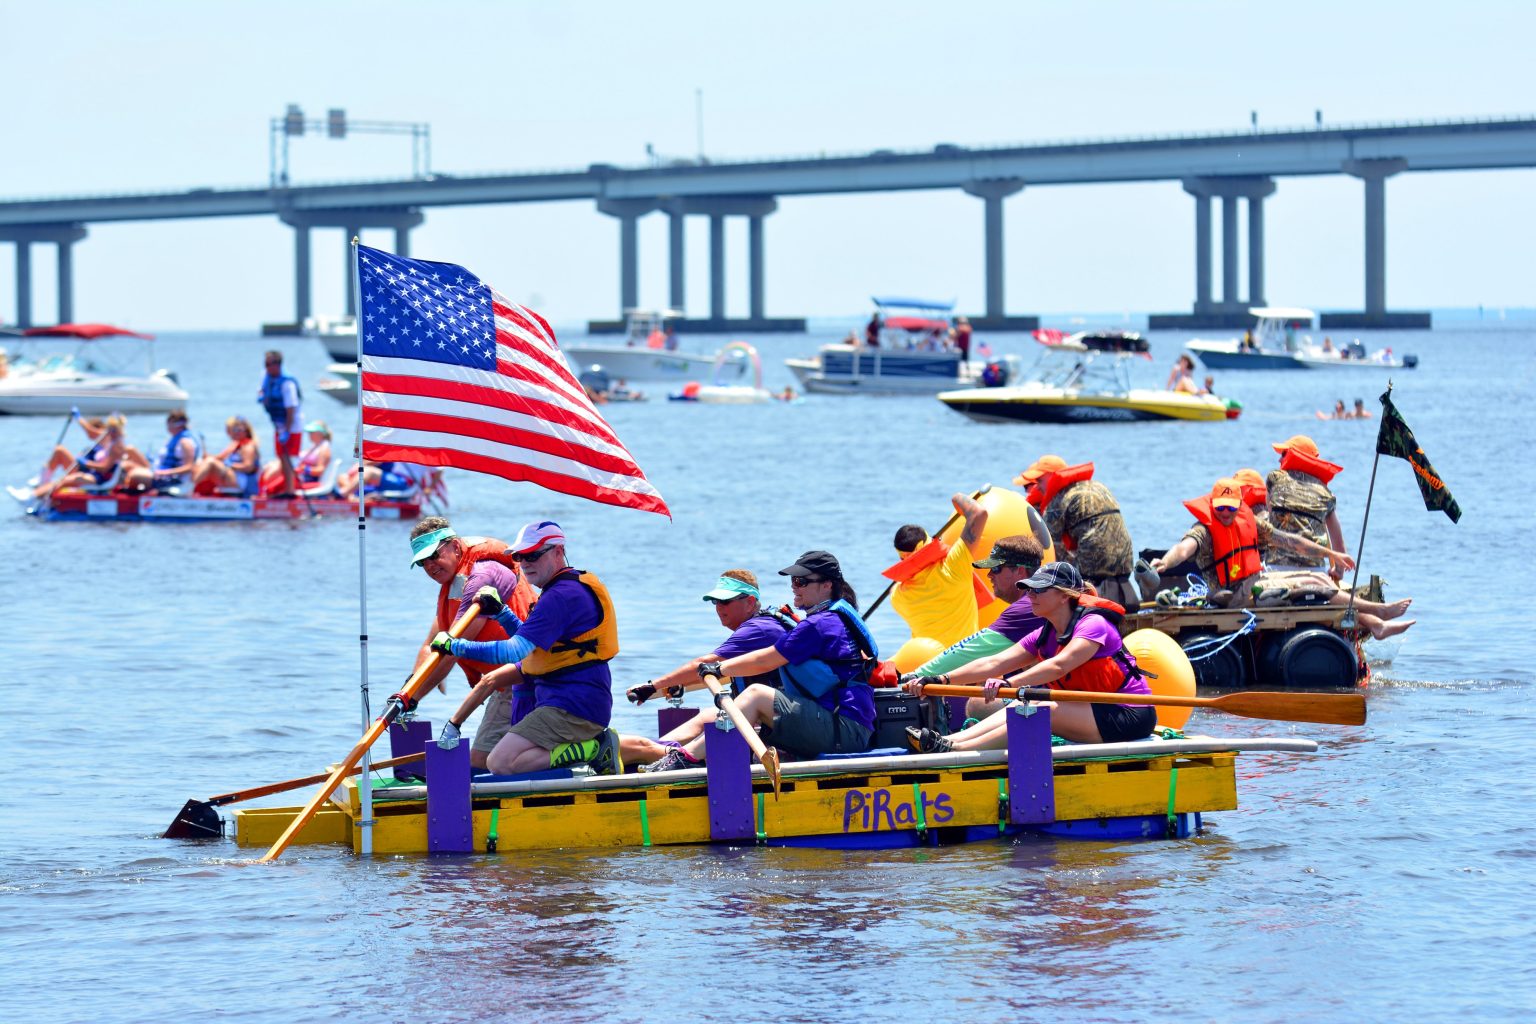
(562, 650)
(1075, 650)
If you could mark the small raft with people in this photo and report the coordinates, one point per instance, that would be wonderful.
(1149, 789)
(123, 507)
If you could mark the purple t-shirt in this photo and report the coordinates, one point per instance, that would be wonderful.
(1042, 643)
(757, 633)
(823, 636)
(567, 609)
(1018, 620)
(488, 573)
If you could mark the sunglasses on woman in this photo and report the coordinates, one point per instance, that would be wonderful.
(804, 581)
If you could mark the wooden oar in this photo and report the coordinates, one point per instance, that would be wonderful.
(413, 687)
(1325, 708)
(197, 819)
(950, 522)
(768, 756)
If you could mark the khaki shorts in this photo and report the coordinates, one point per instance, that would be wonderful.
(495, 720)
(549, 726)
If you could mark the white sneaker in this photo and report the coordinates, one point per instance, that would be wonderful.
(21, 494)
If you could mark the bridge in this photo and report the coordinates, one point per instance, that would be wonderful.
(1232, 167)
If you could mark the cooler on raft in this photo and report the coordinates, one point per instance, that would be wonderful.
(1153, 788)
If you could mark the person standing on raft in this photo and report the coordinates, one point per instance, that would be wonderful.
(1086, 526)
(1076, 649)
(936, 591)
(280, 395)
(563, 650)
(738, 603)
(463, 567)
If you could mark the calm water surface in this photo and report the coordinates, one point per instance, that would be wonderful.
(145, 664)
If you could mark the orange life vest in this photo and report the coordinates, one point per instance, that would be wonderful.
(483, 549)
(1235, 548)
(1051, 484)
(1296, 462)
(1253, 496)
(1104, 674)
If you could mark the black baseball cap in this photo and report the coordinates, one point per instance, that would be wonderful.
(814, 563)
(1054, 574)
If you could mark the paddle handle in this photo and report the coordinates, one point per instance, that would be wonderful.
(1321, 708)
(1045, 693)
(715, 685)
(877, 602)
(413, 686)
(308, 780)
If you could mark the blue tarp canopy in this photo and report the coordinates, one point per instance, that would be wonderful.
(910, 303)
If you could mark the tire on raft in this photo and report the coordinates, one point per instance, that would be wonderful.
(1169, 672)
(1307, 658)
(1009, 513)
(1226, 669)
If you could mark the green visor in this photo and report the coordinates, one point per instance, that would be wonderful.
(728, 588)
(426, 545)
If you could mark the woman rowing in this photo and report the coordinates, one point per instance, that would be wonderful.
(95, 465)
(236, 468)
(826, 705)
(1077, 649)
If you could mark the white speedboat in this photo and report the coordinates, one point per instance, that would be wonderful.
(85, 379)
(1085, 378)
(337, 333)
(644, 354)
(340, 382)
(719, 393)
(1274, 344)
(912, 356)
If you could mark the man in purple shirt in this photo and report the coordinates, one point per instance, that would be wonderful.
(738, 604)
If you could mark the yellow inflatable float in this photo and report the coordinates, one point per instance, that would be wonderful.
(915, 652)
(1168, 670)
(1009, 514)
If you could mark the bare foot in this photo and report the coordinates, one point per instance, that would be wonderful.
(1391, 629)
(1396, 608)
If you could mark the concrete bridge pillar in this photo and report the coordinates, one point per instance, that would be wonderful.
(992, 194)
(717, 266)
(629, 212)
(352, 223)
(717, 209)
(1375, 174)
(677, 281)
(1229, 190)
(755, 267)
(62, 235)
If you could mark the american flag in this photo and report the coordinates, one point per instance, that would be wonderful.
(454, 374)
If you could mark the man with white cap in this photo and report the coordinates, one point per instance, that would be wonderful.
(563, 650)
(463, 568)
(738, 604)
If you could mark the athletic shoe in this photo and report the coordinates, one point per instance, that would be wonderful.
(926, 741)
(21, 494)
(607, 760)
(675, 759)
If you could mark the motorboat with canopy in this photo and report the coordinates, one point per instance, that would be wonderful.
(912, 356)
(643, 354)
(1274, 344)
(91, 377)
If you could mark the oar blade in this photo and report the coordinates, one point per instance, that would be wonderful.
(196, 820)
(1321, 708)
(770, 760)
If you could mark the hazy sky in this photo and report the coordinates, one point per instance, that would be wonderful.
(108, 97)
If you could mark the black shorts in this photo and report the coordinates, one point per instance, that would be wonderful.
(1119, 723)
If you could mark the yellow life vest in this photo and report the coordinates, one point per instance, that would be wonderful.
(600, 643)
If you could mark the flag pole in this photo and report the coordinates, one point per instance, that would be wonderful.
(364, 780)
(1348, 622)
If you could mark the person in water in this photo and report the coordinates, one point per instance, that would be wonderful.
(176, 463)
(1301, 503)
(1339, 412)
(563, 650)
(1076, 649)
(280, 395)
(94, 466)
(235, 469)
(1360, 411)
(1086, 526)
(463, 569)
(826, 705)
(934, 586)
(738, 604)
(1225, 543)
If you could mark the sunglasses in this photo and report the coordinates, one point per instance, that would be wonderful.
(804, 581)
(1031, 569)
(532, 556)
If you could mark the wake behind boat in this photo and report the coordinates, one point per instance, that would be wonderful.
(1085, 378)
(55, 383)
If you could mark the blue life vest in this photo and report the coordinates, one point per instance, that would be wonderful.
(272, 396)
(168, 459)
(817, 679)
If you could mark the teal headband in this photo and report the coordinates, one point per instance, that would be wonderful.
(426, 545)
(728, 588)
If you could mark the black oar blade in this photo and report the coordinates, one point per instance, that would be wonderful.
(196, 820)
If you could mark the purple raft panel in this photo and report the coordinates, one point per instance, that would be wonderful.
(1031, 777)
(728, 764)
(450, 817)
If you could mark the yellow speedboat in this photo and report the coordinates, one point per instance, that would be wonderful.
(1085, 378)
